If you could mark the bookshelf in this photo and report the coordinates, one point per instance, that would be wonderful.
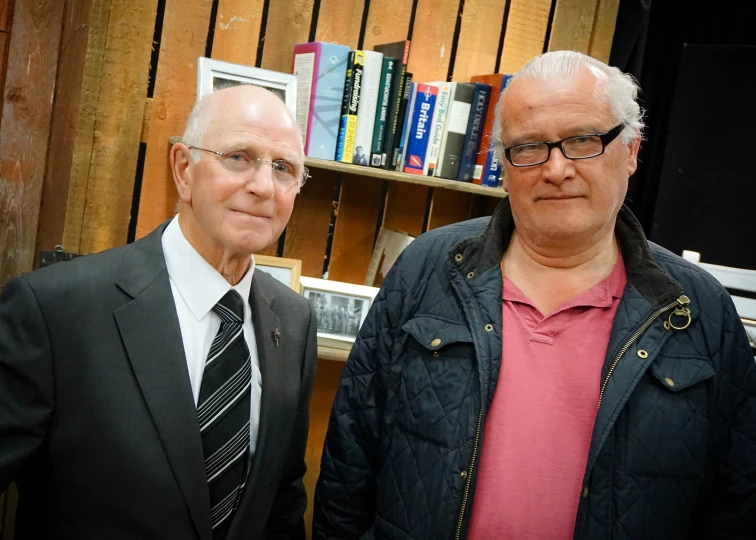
(329, 353)
(372, 172)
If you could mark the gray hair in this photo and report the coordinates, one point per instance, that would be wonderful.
(621, 89)
(196, 125)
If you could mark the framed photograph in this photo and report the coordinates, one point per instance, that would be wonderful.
(287, 271)
(215, 75)
(340, 308)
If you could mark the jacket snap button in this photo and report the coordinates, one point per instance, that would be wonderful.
(585, 492)
(669, 382)
(642, 354)
(470, 275)
(436, 342)
(489, 327)
(435, 353)
(463, 474)
(458, 257)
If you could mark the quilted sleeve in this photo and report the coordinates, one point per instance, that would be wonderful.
(345, 492)
(727, 506)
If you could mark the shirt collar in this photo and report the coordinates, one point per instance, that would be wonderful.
(200, 285)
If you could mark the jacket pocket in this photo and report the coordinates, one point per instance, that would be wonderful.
(438, 364)
(667, 419)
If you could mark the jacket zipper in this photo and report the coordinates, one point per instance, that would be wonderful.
(469, 478)
(681, 301)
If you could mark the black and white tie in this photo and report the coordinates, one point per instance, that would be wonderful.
(223, 409)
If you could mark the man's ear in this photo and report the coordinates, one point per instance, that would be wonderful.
(181, 161)
(632, 156)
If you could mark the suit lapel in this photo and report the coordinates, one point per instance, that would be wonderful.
(151, 334)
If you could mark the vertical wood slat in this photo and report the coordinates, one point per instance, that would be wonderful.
(478, 40)
(4, 5)
(118, 126)
(359, 204)
(449, 207)
(185, 26)
(237, 31)
(603, 29)
(572, 25)
(288, 24)
(526, 32)
(85, 125)
(65, 116)
(339, 22)
(24, 130)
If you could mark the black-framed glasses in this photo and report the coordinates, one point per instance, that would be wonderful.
(288, 175)
(575, 147)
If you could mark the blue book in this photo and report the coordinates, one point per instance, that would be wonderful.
(399, 150)
(491, 174)
(420, 129)
(479, 108)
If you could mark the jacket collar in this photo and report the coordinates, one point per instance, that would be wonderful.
(483, 252)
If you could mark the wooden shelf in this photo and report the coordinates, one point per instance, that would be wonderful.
(429, 181)
(329, 353)
(373, 172)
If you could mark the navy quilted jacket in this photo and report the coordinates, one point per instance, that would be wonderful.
(673, 453)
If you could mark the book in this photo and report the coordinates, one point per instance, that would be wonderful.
(384, 98)
(406, 125)
(420, 129)
(371, 80)
(348, 128)
(478, 111)
(437, 127)
(498, 82)
(388, 246)
(455, 131)
(346, 94)
(320, 69)
(400, 51)
(400, 129)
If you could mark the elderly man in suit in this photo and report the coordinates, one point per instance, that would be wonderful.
(161, 390)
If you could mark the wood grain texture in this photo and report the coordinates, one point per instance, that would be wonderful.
(572, 25)
(184, 38)
(432, 39)
(526, 32)
(307, 232)
(118, 127)
(449, 207)
(339, 22)
(3, 61)
(355, 229)
(478, 41)
(288, 24)
(405, 208)
(237, 31)
(387, 22)
(603, 29)
(25, 128)
(65, 114)
(323, 393)
(4, 8)
(85, 124)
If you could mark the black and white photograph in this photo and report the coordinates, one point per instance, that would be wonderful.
(338, 315)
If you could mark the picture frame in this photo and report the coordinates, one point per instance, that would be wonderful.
(214, 75)
(287, 271)
(341, 309)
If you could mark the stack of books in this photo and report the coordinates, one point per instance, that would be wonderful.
(363, 107)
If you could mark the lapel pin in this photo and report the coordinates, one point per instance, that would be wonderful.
(276, 335)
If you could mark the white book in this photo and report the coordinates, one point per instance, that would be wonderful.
(438, 121)
(371, 81)
(445, 132)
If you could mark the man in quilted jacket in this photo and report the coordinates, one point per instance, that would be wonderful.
(547, 372)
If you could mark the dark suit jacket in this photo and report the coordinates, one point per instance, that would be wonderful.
(97, 421)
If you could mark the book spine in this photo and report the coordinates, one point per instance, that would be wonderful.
(491, 170)
(406, 126)
(481, 96)
(498, 82)
(402, 117)
(392, 119)
(437, 128)
(420, 132)
(371, 80)
(457, 120)
(348, 81)
(306, 56)
(384, 100)
(354, 105)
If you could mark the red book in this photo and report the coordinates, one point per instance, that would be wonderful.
(495, 80)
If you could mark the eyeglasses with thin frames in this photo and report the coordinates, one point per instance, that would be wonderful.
(576, 147)
(286, 174)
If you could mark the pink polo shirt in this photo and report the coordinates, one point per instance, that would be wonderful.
(538, 430)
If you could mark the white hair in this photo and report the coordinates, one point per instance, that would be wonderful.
(621, 89)
(196, 126)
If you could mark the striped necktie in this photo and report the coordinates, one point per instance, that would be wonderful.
(223, 410)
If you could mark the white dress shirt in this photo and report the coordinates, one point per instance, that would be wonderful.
(196, 288)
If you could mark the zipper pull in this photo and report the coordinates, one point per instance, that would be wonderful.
(681, 310)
